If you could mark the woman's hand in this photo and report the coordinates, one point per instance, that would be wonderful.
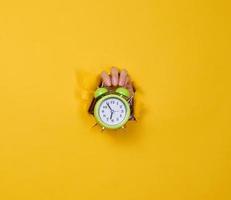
(118, 78)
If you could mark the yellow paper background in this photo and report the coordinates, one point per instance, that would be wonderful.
(178, 52)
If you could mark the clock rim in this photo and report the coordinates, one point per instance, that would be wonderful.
(97, 117)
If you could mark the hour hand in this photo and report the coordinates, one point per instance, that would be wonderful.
(109, 106)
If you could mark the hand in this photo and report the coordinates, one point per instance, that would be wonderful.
(111, 114)
(109, 107)
(117, 78)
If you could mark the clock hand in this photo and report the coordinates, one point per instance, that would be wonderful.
(109, 106)
(111, 115)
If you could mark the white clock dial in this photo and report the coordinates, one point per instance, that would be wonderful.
(112, 111)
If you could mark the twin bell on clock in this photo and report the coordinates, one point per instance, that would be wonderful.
(112, 109)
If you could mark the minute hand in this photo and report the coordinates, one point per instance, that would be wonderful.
(111, 115)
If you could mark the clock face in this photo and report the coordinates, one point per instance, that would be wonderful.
(112, 111)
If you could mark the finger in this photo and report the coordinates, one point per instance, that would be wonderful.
(127, 81)
(114, 76)
(106, 78)
(123, 76)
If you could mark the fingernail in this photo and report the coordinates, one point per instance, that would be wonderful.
(114, 82)
(108, 83)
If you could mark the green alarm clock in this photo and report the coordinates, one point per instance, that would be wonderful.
(112, 109)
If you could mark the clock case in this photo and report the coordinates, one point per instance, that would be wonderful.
(111, 90)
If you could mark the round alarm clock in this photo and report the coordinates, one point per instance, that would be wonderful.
(112, 110)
